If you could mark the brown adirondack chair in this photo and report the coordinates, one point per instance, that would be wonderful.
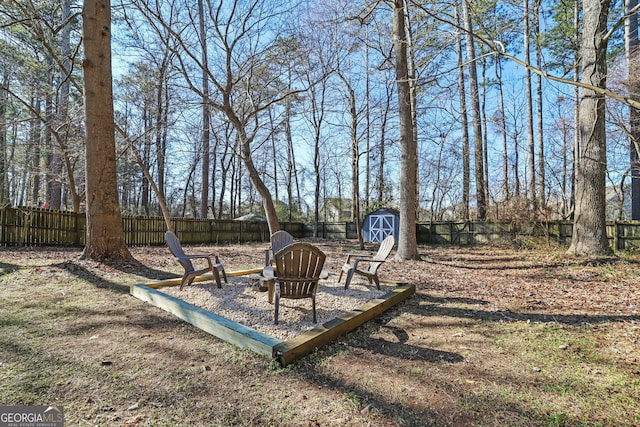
(213, 262)
(372, 263)
(297, 270)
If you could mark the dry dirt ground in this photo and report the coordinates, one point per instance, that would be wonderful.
(495, 335)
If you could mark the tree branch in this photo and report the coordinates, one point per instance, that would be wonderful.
(498, 49)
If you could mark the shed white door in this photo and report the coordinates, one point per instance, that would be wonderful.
(381, 226)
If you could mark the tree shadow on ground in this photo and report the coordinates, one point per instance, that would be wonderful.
(428, 305)
(408, 357)
(440, 413)
(140, 269)
(477, 262)
(135, 268)
(401, 349)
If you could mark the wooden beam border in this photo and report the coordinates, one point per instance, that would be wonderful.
(202, 278)
(305, 343)
(285, 352)
(221, 327)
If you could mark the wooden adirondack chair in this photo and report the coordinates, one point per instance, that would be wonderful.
(213, 263)
(371, 270)
(297, 270)
(279, 240)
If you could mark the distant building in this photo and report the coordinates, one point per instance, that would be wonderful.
(336, 210)
(618, 204)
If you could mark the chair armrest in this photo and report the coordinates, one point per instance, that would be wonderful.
(361, 257)
(195, 256)
(199, 256)
(351, 256)
(369, 259)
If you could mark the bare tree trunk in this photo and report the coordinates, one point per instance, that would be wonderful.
(161, 140)
(292, 168)
(35, 137)
(206, 115)
(226, 159)
(464, 123)
(367, 130)
(516, 165)
(104, 222)
(506, 187)
(162, 106)
(318, 98)
(383, 133)
(236, 174)
(55, 186)
(407, 244)
(355, 162)
(254, 176)
(529, 101)
(146, 158)
(411, 71)
(475, 112)
(52, 156)
(485, 137)
(318, 111)
(24, 176)
(576, 108)
(541, 157)
(434, 206)
(290, 158)
(274, 157)
(566, 212)
(4, 171)
(589, 236)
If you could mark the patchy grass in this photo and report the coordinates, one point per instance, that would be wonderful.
(494, 336)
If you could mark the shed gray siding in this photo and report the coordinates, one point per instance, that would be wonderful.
(379, 224)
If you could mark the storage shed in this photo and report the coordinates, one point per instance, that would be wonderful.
(381, 223)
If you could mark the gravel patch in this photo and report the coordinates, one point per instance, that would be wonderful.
(241, 301)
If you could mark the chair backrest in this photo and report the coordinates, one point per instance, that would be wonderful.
(298, 268)
(279, 240)
(383, 252)
(176, 249)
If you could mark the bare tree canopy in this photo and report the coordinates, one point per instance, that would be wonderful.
(303, 111)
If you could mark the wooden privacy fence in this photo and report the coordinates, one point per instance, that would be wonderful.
(39, 227)
(622, 235)
(34, 227)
